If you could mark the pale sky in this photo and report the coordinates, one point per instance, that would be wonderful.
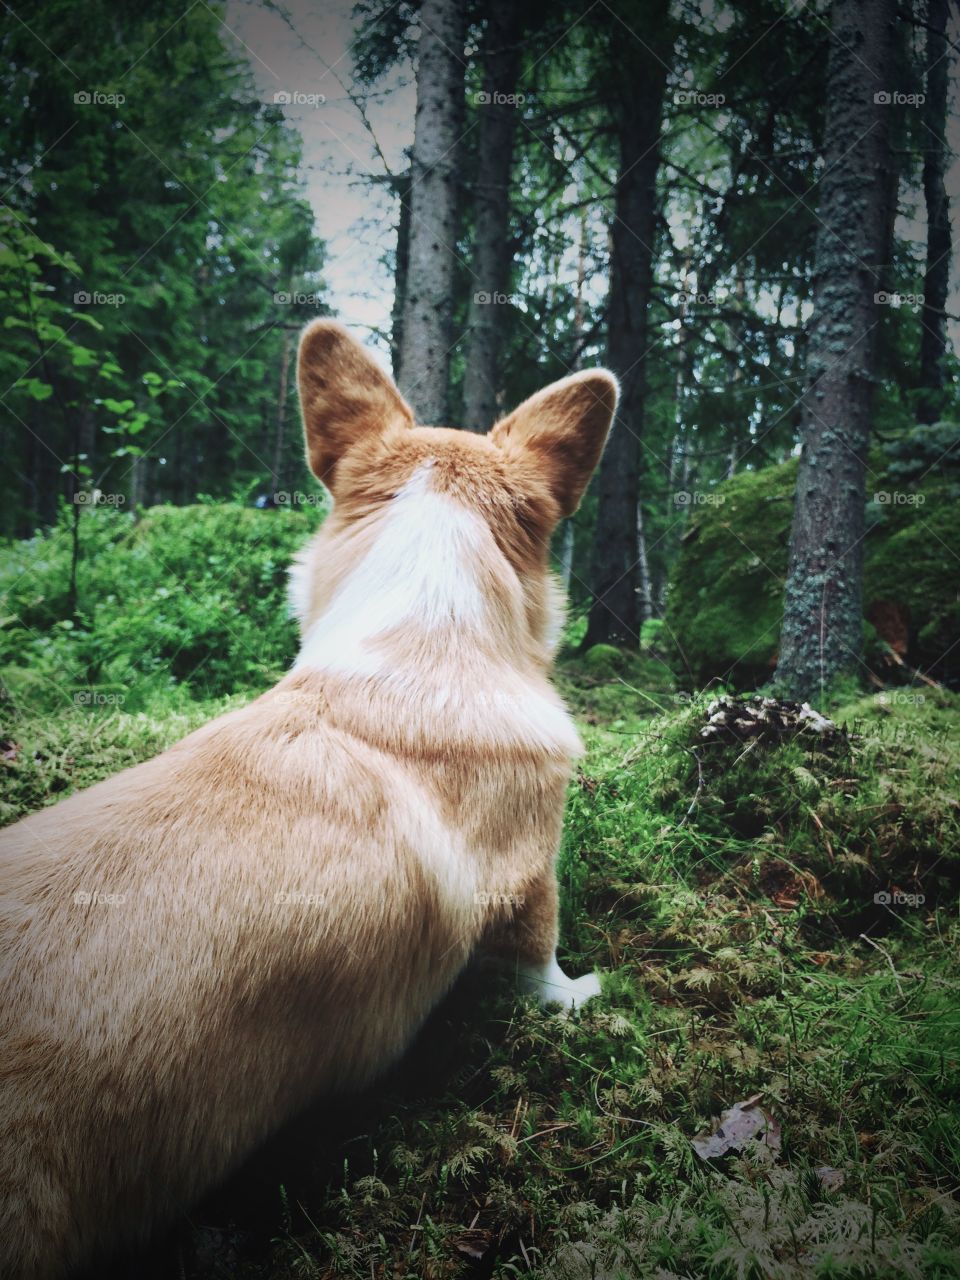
(355, 218)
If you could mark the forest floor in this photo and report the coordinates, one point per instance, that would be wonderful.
(777, 923)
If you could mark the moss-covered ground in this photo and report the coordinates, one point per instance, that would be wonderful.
(780, 922)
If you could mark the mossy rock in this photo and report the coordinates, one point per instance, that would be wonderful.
(726, 590)
(604, 661)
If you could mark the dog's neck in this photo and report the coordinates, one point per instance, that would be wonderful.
(431, 621)
(429, 578)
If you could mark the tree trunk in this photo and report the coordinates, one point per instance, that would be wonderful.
(936, 280)
(566, 553)
(684, 374)
(428, 306)
(641, 78)
(568, 529)
(735, 373)
(482, 379)
(643, 567)
(401, 272)
(279, 437)
(578, 299)
(72, 588)
(823, 619)
(137, 486)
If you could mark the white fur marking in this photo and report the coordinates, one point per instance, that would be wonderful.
(298, 589)
(556, 614)
(440, 849)
(418, 568)
(550, 985)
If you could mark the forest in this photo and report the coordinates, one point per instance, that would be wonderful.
(746, 210)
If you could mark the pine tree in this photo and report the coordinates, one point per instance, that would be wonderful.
(501, 58)
(424, 367)
(822, 628)
(936, 280)
(636, 76)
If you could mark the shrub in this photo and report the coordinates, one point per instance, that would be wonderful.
(187, 597)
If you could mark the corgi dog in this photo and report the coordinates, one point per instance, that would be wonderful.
(197, 948)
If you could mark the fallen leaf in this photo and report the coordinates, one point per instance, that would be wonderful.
(474, 1244)
(744, 1123)
(830, 1179)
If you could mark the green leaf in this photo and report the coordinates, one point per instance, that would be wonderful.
(36, 389)
(83, 357)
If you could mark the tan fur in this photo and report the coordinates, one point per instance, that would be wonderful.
(196, 948)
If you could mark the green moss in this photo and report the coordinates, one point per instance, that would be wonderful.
(726, 590)
(613, 691)
(604, 661)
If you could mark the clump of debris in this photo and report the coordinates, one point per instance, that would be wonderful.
(765, 720)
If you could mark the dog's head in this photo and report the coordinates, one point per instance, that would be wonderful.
(496, 497)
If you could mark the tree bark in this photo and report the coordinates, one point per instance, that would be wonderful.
(482, 379)
(735, 372)
(568, 528)
(936, 280)
(401, 272)
(280, 434)
(822, 628)
(428, 305)
(638, 77)
(566, 553)
(137, 469)
(643, 568)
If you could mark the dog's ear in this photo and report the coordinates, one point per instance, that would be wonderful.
(345, 397)
(562, 430)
